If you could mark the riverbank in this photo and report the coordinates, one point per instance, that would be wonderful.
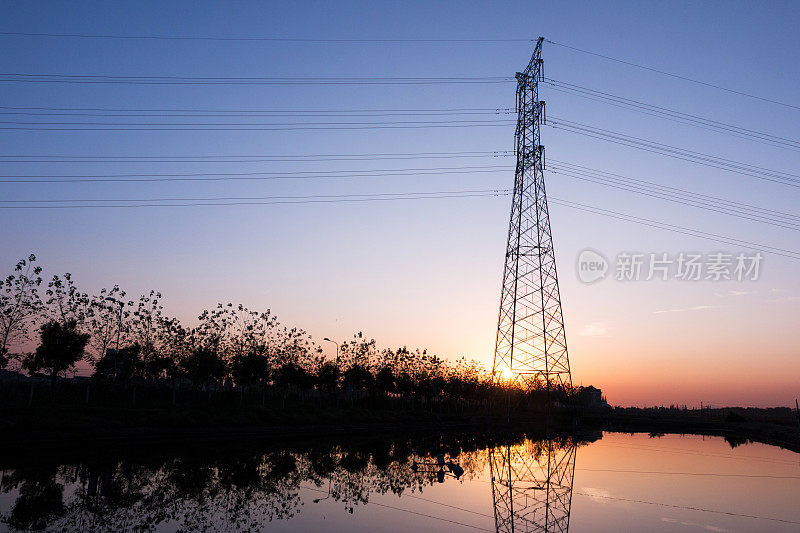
(775, 426)
(45, 428)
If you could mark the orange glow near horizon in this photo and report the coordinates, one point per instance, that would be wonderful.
(507, 374)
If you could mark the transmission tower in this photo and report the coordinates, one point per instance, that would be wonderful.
(531, 346)
(532, 486)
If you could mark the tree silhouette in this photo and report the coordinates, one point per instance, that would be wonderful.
(230, 344)
(40, 502)
(384, 380)
(249, 368)
(19, 305)
(119, 365)
(62, 346)
(65, 303)
(204, 366)
(107, 321)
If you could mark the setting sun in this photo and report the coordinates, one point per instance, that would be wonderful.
(506, 374)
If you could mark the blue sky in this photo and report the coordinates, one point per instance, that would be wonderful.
(426, 272)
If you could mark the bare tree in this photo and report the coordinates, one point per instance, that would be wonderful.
(145, 332)
(65, 303)
(20, 306)
(108, 320)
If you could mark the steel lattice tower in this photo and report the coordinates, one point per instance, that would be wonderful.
(532, 486)
(531, 344)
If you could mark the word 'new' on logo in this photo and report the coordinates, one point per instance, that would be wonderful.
(592, 266)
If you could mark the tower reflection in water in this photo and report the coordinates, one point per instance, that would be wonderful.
(532, 485)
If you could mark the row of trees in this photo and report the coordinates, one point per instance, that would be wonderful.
(125, 340)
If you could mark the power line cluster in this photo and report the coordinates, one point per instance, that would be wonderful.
(674, 75)
(791, 254)
(673, 115)
(246, 126)
(228, 176)
(248, 200)
(252, 39)
(258, 158)
(12, 77)
(675, 195)
(313, 119)
(61, 118)
(113, 113)
(675, 152)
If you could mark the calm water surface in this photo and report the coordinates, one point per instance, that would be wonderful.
(609, 482)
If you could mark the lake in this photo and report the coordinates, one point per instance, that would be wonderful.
(453, 482)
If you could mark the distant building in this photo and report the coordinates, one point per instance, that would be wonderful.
(591, 396)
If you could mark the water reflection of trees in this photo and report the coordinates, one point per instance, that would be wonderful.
(40, 500)
(232, 491)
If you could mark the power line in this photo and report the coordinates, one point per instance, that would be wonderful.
(443, 504)
(432, 516)
(675, 152)
(779, 224)
(261, 78)
(206, 110)
(681, 192)
(564, 168)
(276, 201)
(206, 176)
(435, 502)
(498, 192)
(65, 158)
(789, 226)
(468, 121)
(686, 507)
(673, 75)
(791, 254)
(256, 39)
(314, 489)
(272, 160)
(674, 116)
(256, 127)
(629, 500)
(256, 114)
(568, 169)
(225, 80)
(717, 205)
(248, 198)
(662, 504)
(573, 89)
(674, 473)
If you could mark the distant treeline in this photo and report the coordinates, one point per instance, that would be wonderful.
(133, 341)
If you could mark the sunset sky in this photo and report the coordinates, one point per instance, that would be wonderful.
(420, 272)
